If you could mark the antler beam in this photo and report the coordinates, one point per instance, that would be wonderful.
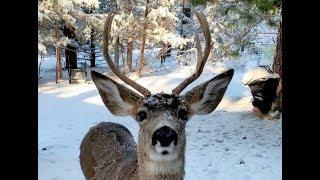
(106, 33)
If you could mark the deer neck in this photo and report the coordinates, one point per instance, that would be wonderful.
(149, 169)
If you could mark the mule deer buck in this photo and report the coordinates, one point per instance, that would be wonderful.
(164, 53)
(108, 150)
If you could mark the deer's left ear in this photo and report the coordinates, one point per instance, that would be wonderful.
(204, 98)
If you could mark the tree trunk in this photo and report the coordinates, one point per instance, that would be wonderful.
(58, 56)
(143, 41)
(277, 66)
(123, 58)
(129, 54)
(39, 68)
(187, 12)
(116, 53)
(92, 50)
(70, 51)
(277, 62)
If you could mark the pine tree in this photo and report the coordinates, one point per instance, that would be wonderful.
(69, 20)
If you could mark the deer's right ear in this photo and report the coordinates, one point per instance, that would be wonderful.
(119, 99)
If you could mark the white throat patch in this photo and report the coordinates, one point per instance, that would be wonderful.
(171, 167)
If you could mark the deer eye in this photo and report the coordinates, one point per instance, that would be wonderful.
(182, 114)
(142, 115)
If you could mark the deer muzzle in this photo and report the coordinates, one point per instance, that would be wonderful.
(164, 140)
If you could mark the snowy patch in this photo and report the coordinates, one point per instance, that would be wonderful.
(258, 74)
(151, 101)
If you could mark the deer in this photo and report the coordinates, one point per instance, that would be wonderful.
(108, 150)
(164, 52)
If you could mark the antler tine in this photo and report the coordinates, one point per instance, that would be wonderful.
(106, 33)
(201, 61)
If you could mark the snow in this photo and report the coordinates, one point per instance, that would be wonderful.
(151, 101)
(228, 144)
(258, 74)
(41, 48)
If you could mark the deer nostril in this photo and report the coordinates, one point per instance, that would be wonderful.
(164, 136)
(165, 152)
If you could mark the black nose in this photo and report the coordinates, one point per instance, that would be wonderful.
(165, 136)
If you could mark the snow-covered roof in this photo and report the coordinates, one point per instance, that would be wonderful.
(258, 74)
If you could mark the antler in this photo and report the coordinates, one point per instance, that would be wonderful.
(202, 57)
(106, 33)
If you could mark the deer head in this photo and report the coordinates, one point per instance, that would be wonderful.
(162, 117)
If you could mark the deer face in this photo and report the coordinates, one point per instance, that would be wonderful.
(162, 117)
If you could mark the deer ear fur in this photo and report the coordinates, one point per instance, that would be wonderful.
(204, 98)
(119, 99)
